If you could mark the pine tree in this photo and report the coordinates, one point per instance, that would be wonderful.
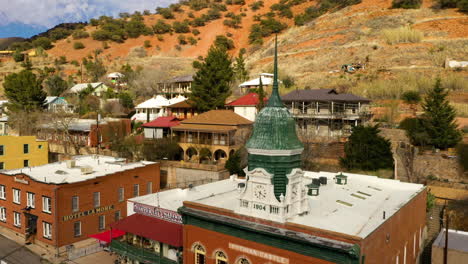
(56, 85)
(440, 117)
(241, 72)
(211, 83)
(261, 95)
(367, 150)
(24, 92)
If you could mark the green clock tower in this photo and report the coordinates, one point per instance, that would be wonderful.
(274, 145)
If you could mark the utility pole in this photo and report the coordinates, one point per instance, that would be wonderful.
(446, 236)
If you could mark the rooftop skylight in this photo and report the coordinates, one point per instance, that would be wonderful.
(374, 188)
(344, 203)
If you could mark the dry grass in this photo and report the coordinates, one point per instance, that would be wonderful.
(462, 109)
(402, 35)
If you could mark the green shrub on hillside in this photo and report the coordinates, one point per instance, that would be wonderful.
(192, 40)
(182, 40)
(59, 33)
(265, 28)
(80, 34)
(223, 41)
(176, 8)
(213, 14)
(406, 4)
(161, 27)
(198, 4)
(165, 12)
(18, 56)
(256, 5)
(181, 27)
(195, 32)
(78, 45)
(198, 22)
(43, 42)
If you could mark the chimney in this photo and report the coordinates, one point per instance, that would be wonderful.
(70, 164)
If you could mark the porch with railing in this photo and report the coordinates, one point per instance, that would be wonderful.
(142, 255)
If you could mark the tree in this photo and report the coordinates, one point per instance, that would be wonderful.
(24, 92)
(211, 83)
(406, 4)
(43, 42)
(241, 72)
(225, 42)
(94, 68)
(126, 100)
(416, 131)
(233, 164)
(261, 95)
(55, 85)
(162, 148)
(440, 118)
(367, 150)
(18, 56)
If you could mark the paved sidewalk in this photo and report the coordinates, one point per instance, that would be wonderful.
(102, 257)
(14, 253)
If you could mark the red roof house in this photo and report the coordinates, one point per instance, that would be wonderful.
(246, 106)
(160, 127)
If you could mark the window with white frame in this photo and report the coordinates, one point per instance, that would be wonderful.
(149, 187)
(121, 194)
(77, 229)
(97, 199)
(136, 190)
(2, 192)
(47, 230)
(16, 196)
(102, 222)
(30, 200)
(17, 219)
(75, 204)
(46, 204)
(3, 214)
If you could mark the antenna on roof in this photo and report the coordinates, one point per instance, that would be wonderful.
(157, 197)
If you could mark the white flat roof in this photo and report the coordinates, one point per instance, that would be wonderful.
(366, 198)
(59, 173)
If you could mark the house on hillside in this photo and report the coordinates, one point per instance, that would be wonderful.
(58, 104)
(84, 132)
(98, 88)
(160, 127)
(154, 108)
(212, 136)
(179, 85)
(325, 112)
(246, 106)
(182, 110)
(267, 82)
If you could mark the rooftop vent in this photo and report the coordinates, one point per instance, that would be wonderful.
(341, 179)
(316, 181)
(241, 185)
(71, 164)
(313, 189)
(61, 172)
(323, 180)
(86, 170)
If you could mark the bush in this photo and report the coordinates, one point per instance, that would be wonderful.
(223, 41)
(198, 22)
(198, 4)
(411, 97)
(181, 27)
(406, 4)
(182, 40)
(402, 35)
(447, 3)
(146, 12)
(80, 34)
(18, 56)
(213, 14)
(78, 45)
(192, 40)
(288, 81)
(59, 33)
(102, 35)
(165, 13)
(42, 42)
(195, 32)
(161, 27)
(147, 44)
(256, 5)
(265, 28)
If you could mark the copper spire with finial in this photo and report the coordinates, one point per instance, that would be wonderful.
(275, 100)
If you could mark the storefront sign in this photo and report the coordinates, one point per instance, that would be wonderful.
(157, 212)
(89, 212)
(258, 253)
(21, 180)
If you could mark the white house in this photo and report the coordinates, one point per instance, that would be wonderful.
(246, 106)
(267, 81)
(58, 104)
(99, 88)
(154, 108)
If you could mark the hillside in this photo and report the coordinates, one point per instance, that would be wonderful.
(5, 42)
(311, 54)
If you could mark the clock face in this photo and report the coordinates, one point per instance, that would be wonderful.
(260, 192)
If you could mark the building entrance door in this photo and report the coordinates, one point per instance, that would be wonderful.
(31, 227)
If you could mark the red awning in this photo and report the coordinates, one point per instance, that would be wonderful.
(152, 228)
(106, 235)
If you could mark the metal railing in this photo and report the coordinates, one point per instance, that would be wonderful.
(140, 254)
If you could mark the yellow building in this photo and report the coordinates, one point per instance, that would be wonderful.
(24, 151)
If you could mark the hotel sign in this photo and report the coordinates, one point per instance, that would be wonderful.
(89, 212)
(21, 180)
(259, 253)
(157, 212)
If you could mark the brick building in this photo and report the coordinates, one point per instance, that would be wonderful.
(282, 214)
(61, 203)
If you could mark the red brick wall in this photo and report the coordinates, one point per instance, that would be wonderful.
(213, 241)
(61, 196)
(401, 228)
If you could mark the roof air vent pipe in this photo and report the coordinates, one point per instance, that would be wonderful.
(383, 214)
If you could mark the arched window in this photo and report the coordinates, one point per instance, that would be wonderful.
(243, 261)
(199, 254)
(221, 258)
